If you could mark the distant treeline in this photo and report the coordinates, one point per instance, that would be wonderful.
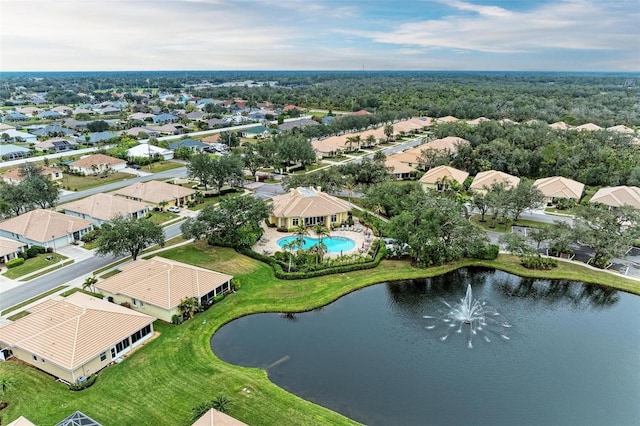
(605, 99)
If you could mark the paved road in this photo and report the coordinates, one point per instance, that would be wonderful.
(64, 275)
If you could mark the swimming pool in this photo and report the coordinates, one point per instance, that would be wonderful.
(334, 244)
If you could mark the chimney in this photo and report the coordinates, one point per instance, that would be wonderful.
(318, 188)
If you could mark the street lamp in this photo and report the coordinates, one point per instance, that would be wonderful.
(53, 239)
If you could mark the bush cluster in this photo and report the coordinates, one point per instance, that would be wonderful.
(538, 262)
(14, 262)
(78, 387)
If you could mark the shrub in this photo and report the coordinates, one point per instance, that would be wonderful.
(15, 262)
(40, 249)
(81, 386)
(176, 319)
(89, 236)
(565, 203)
(269, 224)
(218, 298)
(538, 262)
(32, 252)
(489, 252)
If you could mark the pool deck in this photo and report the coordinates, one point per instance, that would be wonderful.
(268, 244)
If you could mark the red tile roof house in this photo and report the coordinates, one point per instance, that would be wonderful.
(96, 164)
(157, 286)
(76, 336)
(46, 228)
(101, 208)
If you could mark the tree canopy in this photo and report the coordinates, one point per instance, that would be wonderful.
(128, 235)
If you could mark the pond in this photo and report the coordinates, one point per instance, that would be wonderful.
(570, 354)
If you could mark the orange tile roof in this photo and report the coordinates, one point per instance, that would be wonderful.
(559, 187)
(97, 159)
(216, 418)
(104, 206)
(617, 196)
(435, 175)
(69, 331)
(307, 202)
(44, 225)
(155, 191)
(8, 246)
(484, 180)
(163, 282)
(13, 175)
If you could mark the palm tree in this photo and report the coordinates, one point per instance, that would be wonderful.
(388, 131)
(290, 247)
(319, 249)
(221, 403)
(300, 232)
(89, 283)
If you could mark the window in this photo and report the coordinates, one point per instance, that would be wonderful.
(134, 302)
(119, 348)
(103, 356)
(294, 222)
(35, 358)
(140, 334)
(334, 218)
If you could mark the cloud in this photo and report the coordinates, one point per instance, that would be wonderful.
(581, 25)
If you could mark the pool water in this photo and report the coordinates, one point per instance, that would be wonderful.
(334, 244)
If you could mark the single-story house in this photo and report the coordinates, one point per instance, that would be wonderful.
(45, 228)
(17, 136)
(483, 180)
(590, 127)
(74, 337)
(100, 208)
(164, 118)
(621, 128)
(97, 137)
(257, 132)
(149, 151)
(62, 110)
(9, 249)
(56, 144)
(559, 125)
(75, 124)
(618, 196)
(15, 116)
(447, 119)
(97, 163)
(438, 178)
(214, 417)
(21, 421)
(157, 286)
(449, 143)
(400, 170)
(308, 206)
(4, 127)
(13, 175)
(156, 192)
(477, 121)
(299, 123)
(142, 116)
(14, 152)
(136, 131)
(559, 187)
(49, 115)
(192, 144)
(29, 111)
(54, 130)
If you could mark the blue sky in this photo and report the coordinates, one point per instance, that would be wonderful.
(519, 35)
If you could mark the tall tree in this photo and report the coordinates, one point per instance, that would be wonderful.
(128, 235)
(199, 167)
(523, 197)
(234, 222)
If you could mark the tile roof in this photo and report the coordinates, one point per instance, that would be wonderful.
(617, 196)
(447, 119)
(13, 175)
(69, 331)
(559, 125)
(97, 159)
(620, 128)
(307, 202)
(589, 127)
(437, 174)
(155, 191)
(559, 187)
(104, 206)
(44, 225)
(398, 167)
(8, 246)
(21, 421)
(484, 180)
(216, 418)
(163, 282)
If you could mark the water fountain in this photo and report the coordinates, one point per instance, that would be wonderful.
(472, 315)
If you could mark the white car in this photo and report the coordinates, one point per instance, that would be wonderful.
(174, 209)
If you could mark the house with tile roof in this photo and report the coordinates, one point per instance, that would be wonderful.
(590, 127)
(13, 176)
(621, 128)
(192, 144)
(56, 145)
(484, 180)
(21, 421)
(308, 206)
(74, 337)
(618, 196)
(157, 286)
(398, 169)
(214, 417)
(101, 208)
(10, 249)
(156, 192)
(146, 150)
(439, 178)
(559, 187)
(13, 152)
(97, 163)
(45, 228)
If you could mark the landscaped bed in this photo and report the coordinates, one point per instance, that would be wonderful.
(161, 382)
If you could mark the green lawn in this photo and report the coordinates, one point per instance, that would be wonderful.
(161, 217)
(160, 383)
(505, 226)
(34, 264)
(79, 183)
(161, 166)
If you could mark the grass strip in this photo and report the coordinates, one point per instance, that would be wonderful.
(33, 299)
(41, 273)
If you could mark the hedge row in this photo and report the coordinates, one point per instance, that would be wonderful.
(280, 273)
(14, 262)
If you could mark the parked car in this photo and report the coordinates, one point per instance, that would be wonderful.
(174, 209)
